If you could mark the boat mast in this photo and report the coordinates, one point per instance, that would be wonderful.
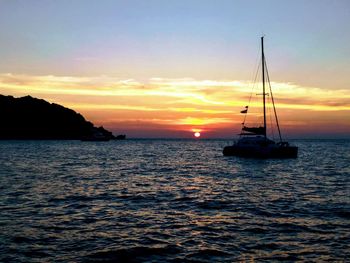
(263, 81)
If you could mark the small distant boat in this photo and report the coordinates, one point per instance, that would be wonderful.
(120, 137)
(253, 141)
(96, 137)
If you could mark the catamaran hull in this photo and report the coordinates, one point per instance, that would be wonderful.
(261, 152)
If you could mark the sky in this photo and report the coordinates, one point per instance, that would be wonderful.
(163, 69)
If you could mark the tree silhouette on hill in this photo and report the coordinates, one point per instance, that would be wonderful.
(31, 118)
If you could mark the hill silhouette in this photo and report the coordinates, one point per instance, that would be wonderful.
(31, 118)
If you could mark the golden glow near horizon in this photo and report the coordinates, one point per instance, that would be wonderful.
(163, 68)
(178, 104)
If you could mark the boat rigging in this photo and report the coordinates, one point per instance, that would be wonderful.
(253, 141)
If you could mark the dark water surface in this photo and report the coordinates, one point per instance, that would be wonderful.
(171, 201)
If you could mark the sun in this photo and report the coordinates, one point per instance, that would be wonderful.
(197, 134)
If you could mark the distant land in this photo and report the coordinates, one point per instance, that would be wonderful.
(29, 118)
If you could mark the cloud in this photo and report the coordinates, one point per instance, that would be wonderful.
(202, 121)
(210, 93)
(179, 103)
(204, 90)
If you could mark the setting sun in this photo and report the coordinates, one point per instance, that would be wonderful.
(197, 134)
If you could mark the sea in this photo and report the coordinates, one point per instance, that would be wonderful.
(168, 200)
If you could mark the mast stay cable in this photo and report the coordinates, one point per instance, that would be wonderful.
(273, 102)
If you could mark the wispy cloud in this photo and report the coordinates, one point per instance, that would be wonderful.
(202, 92)
(178, 102)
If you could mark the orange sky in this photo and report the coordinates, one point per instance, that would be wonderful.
(169, 68)
(178, 107)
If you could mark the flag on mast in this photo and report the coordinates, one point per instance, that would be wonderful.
(245, 110)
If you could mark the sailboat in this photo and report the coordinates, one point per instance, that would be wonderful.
(253, 141)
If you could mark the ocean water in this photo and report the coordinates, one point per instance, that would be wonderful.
(172, 201)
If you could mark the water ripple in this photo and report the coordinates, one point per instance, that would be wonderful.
(171, 201)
